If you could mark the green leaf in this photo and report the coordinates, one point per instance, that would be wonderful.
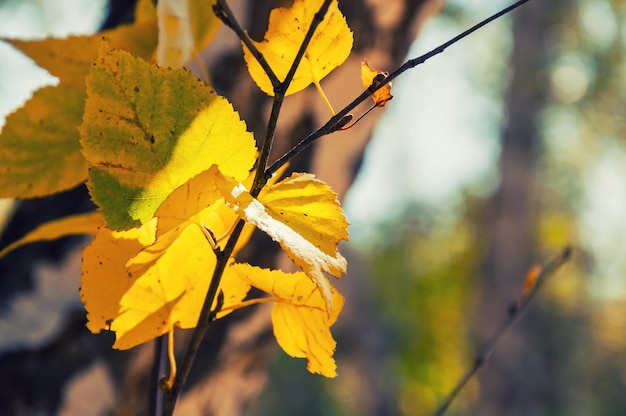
(147, 130)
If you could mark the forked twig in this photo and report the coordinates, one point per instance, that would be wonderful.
(534, 281)
(331, 124)
(208, 313)
(339, 120)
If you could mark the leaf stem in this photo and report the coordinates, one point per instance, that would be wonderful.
(330, 126)
(326, 100)
(514, 311)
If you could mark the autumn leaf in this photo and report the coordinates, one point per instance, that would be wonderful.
(39, 145)
(371, 76)
(185, 28)
(330, 46)
(88, 223)
(300, 321)
(147, 130)
(195, 203)
(140, 306)
(303, 215)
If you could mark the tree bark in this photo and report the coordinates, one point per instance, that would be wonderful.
(514, 378)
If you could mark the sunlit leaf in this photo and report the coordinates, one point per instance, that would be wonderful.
(88, 223)
(291, 218)
(147, 130)
(140, 306)
(300, 321)
(368, 76)
(330, 46)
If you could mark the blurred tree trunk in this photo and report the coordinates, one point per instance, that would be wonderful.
(74, 368)
(514, 377)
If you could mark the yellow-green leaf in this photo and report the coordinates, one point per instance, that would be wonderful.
(330, 46)
(39, 145)
(204, 22)
(302, 204)
(142, 305)
(300, 321)
(69, 58)
(88, 223)
(147, 130)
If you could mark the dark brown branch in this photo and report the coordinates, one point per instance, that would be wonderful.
(225, 14)
(331, 124)
(208, 313)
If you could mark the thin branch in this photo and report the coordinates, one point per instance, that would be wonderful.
(317, 19)
(330, 126)
(171, 396)
(226, 15)
(514, 311)
(159, 367)
(207, 313)
(279, 95)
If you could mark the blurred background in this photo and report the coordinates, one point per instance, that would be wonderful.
(491, 157)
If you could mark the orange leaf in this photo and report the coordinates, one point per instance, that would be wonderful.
(371, 76)
(531, 279)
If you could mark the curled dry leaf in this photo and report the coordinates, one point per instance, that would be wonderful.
(371, 76)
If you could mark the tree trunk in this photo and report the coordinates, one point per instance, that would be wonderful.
(514, 377)
(73, 368)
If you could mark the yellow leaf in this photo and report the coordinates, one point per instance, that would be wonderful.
(368, 76)
(140, 306)
(309, 206)
(196, 202)
(69, 58)
(185, 27)
(330, 46)
(39, 145)
(204, 23)
(75, 224)
(145, 12)
(302, 203)
(147, 130)
(299, 318)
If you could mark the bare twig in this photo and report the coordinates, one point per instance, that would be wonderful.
(279, 95)
(513, 312)
(331, 124)
(225, 14)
